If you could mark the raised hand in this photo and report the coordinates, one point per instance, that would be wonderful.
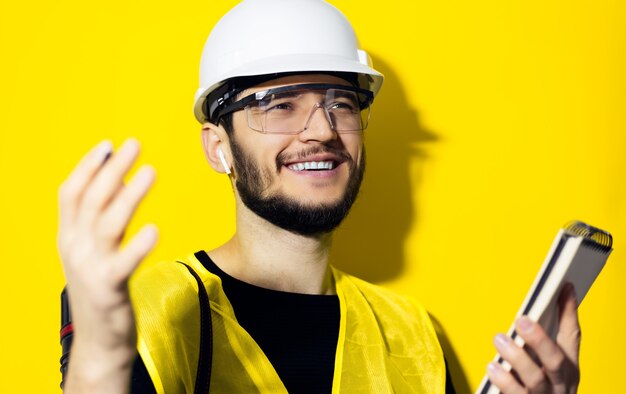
(553, 368)
(95, 208)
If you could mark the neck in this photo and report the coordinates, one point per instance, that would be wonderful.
(268, 256)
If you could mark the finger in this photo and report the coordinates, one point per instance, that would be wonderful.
(569, 334)
(135, 251)
(555, 363)
(529, 373)
(116, 217)
(73, 187)
(107, 182)
(503, 379)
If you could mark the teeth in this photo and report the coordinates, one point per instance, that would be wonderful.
(312, 165)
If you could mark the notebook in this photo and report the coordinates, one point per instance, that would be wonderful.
(577, 255)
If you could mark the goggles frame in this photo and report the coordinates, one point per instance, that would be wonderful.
(366, 101)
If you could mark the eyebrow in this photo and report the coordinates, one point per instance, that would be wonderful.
(298, 93)
(347, 94)
(284, 95)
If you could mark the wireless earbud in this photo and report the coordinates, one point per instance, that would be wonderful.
(223, 161)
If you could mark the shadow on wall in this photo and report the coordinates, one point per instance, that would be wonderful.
(457, 373)
(370, 243)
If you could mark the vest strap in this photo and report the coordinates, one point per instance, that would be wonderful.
(205, 358)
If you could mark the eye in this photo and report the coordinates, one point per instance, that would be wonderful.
(343, 106)
(277, 104)
(278, 107)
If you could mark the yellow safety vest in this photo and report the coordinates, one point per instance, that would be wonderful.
(386, 344)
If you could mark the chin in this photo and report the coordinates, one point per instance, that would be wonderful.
(310, 200)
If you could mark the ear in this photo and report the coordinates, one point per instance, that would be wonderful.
(215, 138)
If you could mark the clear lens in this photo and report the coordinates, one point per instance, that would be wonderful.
(291, 111)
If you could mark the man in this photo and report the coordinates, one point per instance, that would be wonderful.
(284, 98)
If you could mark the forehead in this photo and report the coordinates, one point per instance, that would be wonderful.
(295, 80)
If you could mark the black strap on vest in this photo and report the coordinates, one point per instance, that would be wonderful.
(205, 359)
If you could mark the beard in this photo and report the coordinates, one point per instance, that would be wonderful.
(287, 212)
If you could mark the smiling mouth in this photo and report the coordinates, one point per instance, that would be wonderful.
(313, 165)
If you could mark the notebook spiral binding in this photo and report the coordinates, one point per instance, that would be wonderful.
(593, 236)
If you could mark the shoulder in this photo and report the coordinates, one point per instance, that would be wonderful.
(170, 282)
(399, 318)
(160, 286)
(385, 300)
(170, 274)
(157, 276)
(403, 325)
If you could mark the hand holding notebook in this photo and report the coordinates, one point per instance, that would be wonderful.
(576, 257)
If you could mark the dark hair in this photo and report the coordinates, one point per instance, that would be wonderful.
(227, 122)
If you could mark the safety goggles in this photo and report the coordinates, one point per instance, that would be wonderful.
(289, 109)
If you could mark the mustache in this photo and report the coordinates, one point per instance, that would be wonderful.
(285, 157)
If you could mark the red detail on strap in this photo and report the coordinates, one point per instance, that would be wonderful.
(65, 331)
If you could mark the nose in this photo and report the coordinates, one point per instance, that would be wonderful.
(319, 125)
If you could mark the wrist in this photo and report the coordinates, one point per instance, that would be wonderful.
(98, 371)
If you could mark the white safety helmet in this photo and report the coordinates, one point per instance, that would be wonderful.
(270, 37)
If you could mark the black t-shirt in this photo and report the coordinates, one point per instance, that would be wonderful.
(297, 332)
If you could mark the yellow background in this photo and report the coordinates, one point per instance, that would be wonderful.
(498, 122)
